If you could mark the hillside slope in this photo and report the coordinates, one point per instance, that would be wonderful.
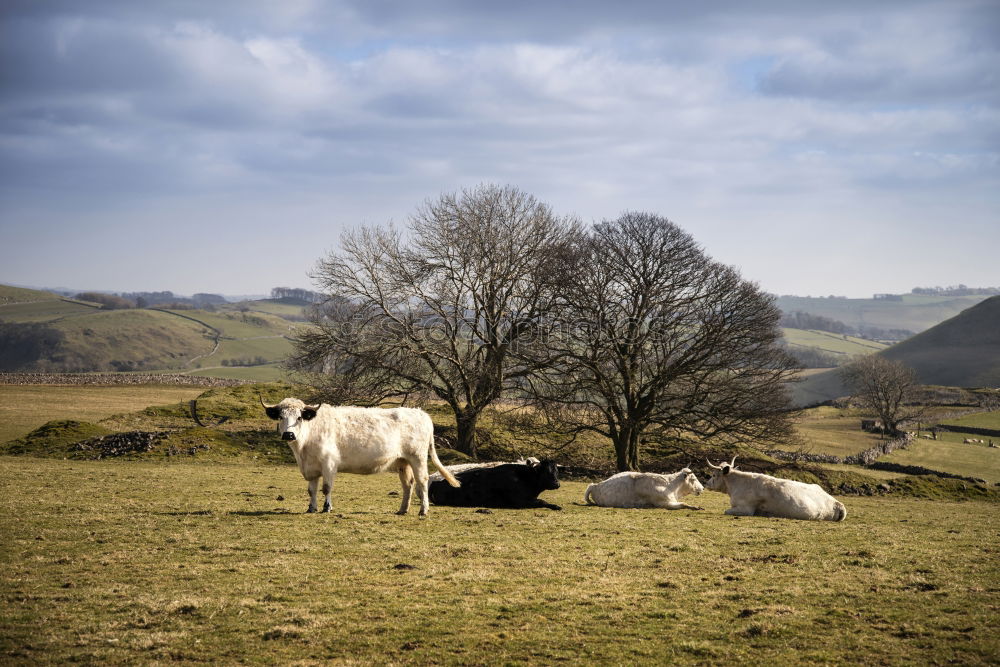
(11, 294)
(963, 351)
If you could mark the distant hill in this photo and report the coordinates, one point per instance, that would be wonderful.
(40, 331)
(9, 294)
(913, 312)
(963, 351)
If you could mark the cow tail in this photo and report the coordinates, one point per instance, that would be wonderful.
(840, 512)
(587, 495)
(450, 478)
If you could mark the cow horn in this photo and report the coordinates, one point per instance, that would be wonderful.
(266, 406)
(313, 407)
(712, 466)
(732, 464)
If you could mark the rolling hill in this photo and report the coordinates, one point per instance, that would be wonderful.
(913, 312)
(963, 351)
(40, 332)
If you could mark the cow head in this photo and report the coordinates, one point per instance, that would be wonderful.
(547, 473)
(719, 472)
(689, 483)
(291, 414)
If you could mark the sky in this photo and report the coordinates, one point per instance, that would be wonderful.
(822, 148)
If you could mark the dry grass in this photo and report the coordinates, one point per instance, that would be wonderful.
(143, 563)
(24, 408)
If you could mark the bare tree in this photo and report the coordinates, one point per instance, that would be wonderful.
(444, 307)
(886, 388)
(656, 342)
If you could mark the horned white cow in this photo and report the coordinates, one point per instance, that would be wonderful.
(326, 440)
(645, 489)
(755, 494)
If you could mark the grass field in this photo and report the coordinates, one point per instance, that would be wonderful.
(47, 310)
(947, 453)
(262, 373)
(11, 294)
(26, 407)
(147, 563)
(837, 344)
(990, 420)
(828, 430)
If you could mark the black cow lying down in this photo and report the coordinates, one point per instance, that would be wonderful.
(511, 486)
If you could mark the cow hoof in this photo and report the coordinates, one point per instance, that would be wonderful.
(327, 508)
(311, 510)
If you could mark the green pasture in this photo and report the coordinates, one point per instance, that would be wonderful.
(48, 310)
(831, 343)
(271, 348)
(949, 454)
(268, 306)
(239, 325)
(143, 563)
(990, 420)
(11, 294)
(828, 430)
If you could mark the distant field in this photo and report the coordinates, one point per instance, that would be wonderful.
(828, 430)
(239, 325)
(269, 306)
(271, 349)
(10, 294)
(990, 420)
(915, 312)
(838, 344)
(45, 311)
(24, 408)
(950, 455)
(263, 373)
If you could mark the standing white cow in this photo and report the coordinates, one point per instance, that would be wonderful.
(326, 440)
(754, 494)
(645, 489)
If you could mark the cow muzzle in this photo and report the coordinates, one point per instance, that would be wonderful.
(287, 435)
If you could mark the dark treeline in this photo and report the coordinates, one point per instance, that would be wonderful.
(296, 294)
(957, 290)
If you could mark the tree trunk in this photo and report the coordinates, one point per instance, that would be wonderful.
(627, 450)
(465, 424)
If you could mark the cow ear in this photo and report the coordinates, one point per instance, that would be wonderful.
(725, 469)
(273, 412)
(308, 414)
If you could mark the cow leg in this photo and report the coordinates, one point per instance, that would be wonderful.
(406, 479)
(419, 467)
(313, 485)
(677, 505)
(328, 476)
(740, 511)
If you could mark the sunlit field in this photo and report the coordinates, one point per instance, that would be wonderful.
(126, 562)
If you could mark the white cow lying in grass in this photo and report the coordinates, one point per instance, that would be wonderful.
(754, 494)
(326, 440)
(645, 489)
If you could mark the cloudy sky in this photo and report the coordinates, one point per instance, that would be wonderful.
(844, 147)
